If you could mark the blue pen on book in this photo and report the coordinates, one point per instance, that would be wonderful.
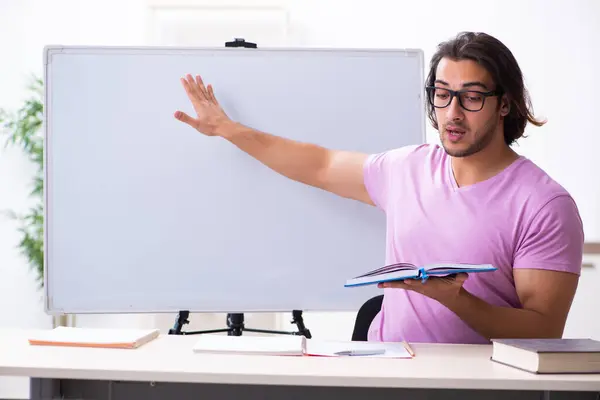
(360, 352)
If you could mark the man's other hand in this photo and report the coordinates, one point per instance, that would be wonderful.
(437, 288)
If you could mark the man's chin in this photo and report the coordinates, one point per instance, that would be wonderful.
(459, 151)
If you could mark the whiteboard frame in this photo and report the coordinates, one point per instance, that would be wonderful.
(51, 49)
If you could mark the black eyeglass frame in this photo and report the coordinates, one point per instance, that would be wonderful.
(456, 93)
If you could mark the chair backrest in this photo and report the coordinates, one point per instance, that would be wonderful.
(365, 316)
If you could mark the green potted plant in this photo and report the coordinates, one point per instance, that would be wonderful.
(23, 129)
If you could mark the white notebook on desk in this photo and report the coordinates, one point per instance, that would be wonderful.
(94, 337)
(290, 345)
(293, 345)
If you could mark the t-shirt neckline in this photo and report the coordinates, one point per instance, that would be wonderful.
(454, 185)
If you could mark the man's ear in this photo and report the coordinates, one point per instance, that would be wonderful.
(504, 106)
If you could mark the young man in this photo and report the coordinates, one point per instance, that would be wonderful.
(472, 200)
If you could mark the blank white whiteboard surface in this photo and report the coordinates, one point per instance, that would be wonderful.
(145, 214)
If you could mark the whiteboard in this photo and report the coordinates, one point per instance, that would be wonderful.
(145, 214)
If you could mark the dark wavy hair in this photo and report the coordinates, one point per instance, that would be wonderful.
(494, 56)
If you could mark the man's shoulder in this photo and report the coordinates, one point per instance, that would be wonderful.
(411, 153)
(396, 165)
(541, 196)
(536, 184)
(551, 232)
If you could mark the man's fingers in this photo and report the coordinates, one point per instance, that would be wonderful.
(201, 89)
(183, 117)
(193, 90)
(194, 87)
(199, 81)
(461, 277)
(196, 90)
(190, 90)
(393, 284)
(211, 94)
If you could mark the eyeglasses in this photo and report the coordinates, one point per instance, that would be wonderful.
(470, 100)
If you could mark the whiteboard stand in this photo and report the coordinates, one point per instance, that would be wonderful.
(235, 326)
(235, 321)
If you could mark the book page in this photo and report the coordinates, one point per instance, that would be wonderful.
(382, 277)
(388, 268)
(458, 266)
(315, 347)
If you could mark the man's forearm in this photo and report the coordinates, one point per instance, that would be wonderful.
(499, 322)
(296, 160)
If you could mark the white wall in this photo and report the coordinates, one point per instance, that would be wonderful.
(555, 45)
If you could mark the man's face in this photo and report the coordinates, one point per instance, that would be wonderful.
(463, 132)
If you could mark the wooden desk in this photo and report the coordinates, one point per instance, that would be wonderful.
(167, 368)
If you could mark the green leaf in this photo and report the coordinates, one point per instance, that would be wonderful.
(22, 128)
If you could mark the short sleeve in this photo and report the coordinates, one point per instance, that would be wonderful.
(554, 239)
(378, 170)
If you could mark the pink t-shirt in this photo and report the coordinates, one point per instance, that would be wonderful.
(519, 218)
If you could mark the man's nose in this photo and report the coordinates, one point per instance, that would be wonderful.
(454, 111)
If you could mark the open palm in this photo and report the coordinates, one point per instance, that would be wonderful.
(438, 288)
(209, 114)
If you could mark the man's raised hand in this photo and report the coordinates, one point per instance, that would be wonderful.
(209, 114)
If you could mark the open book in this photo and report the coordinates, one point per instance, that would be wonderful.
(94, 337)
(293, 345)
(401, 271)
